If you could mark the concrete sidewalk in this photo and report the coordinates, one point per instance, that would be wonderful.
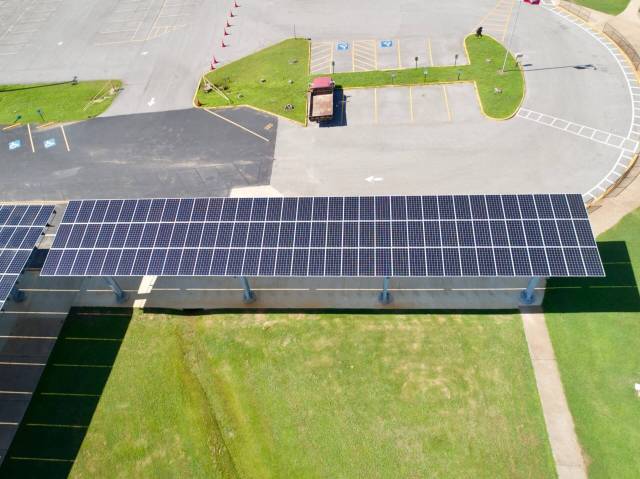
(560, 428)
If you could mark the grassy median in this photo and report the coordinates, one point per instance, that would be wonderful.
(595, 329)
(319, 395)
(277, 76)
(612, 7)
(56, 101)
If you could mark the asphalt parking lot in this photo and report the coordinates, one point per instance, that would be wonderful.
(419, 105)
(177, 153)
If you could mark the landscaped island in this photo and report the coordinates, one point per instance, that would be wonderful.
(278, 76)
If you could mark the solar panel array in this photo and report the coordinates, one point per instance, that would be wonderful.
(20, 230)
(493, 235)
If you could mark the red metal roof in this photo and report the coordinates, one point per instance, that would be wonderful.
(321, 82)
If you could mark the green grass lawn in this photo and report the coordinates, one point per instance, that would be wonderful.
(612, 7)
(331, 395)
(595, 329)
(240, 80)
(58, 102)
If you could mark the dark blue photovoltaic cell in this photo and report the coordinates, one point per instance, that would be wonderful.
(462, 207)
(592, 261)
(398, 208)
(504, 262)
(414, 207)
(477, 235)
(560, 206)
(494, 207)
(451, 259)
(435, 266)
(335, 209)
(527, 207)
(367, 261)
(486, 262)
(469, 261)
(21, 227)
(400, 258)
(417, 262)
(430, 208)
(268, 262)
(478, 207)
(557, 265)
(445, 208)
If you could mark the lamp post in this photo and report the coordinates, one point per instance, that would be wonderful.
(513, 31)
(416, 59)
(455, 60)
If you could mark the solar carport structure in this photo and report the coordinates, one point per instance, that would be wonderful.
(376, 236)
(21, 228)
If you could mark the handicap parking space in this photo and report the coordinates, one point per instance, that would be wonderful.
(15, 141)
(343, 56)
(49, 140)
(394, 105)
(413, 47)
(430, 104)
(388, 53)
(463, 102)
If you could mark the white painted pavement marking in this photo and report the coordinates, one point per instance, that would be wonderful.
(64, 135)
(152, 101)
(372, 179)
(610, 139)
(237, 124)
(632, 84)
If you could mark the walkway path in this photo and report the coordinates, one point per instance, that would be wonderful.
(560, 428)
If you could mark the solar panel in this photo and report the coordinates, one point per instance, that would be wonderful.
(20, 229)
(461, 235)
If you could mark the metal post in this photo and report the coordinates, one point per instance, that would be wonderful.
(528, 296)
(16, 295)
(248, 296)
(121, 296)
(385, 297)
(513, 32)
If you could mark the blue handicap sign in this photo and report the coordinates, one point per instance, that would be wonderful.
(342, 46)
(386, 43)
(50, 142)
(15, 144)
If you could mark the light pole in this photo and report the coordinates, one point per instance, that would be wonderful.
(513, 31)
(455, 60)
(416, 59)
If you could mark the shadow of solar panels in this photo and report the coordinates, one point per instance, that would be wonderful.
(414, 236)
(617, 292)
(60, 412)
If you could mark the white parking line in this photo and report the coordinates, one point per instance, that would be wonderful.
(238, 125)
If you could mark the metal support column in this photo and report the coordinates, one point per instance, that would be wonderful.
(248, 296)
(528, 296)
(121, 296)
(16, 295)
(385, 296)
